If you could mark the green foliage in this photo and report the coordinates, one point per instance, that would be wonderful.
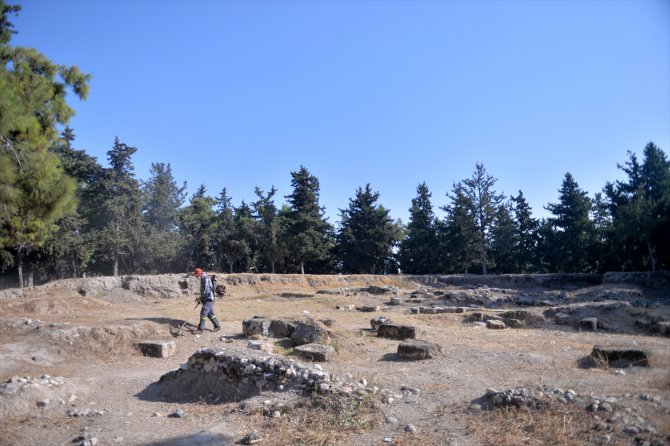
(640, 212)
(367, 236)
(34, 191)
(70, 249)
(271, 231)
(571, 236)
(198, 224)
(417, 253)
(162, 201)
(504, 245)
(458, 233)
(119, 236)
(309, 234)
(527, 238)
(486, 202)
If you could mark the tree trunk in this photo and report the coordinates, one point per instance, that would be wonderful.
(116, 265)
(74, 266)
(230, 266)
(302, 267)
(651, 256)
(19, 267)
(273, 267)
(31, 282)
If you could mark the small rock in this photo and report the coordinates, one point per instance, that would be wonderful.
(43, 403)
(631, 430)
(388, 439)
(250, 438)
(391, 419)
(410, 428)
(179, 413)
(620, 372)
(156, 414)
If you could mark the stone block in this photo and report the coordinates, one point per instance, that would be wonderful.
(379, 320)
(397, 300)
(281, 329)
(415, 349)
(415, 310)
(315, 352)
(396, 331)
(619, 357)
(513, 323)
(664, 328)
(475, 316)
(260, 346)
(589, 324)
(308, 333)
(255, 326)
(368, 308)
(495, 324)
(562, 319)
(157, 348)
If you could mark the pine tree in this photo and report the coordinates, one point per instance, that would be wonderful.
(572, 228)
(527, 258)
(270, 229)
(71, 248)
(34, 191)
(119, 234)
(459, 233)
(367, 235)
(309, 233)
(504, 246)
(418, 249)
(224, 246)
(162, 201)
(640, 211)
(198, 224)
(486, 201)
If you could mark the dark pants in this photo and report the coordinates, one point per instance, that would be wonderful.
(207, 312)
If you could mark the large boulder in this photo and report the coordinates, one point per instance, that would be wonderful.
(310, 332)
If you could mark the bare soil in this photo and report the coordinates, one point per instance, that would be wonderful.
(86, 346)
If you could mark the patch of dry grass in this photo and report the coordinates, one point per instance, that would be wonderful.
(559, 424)
(322, 420)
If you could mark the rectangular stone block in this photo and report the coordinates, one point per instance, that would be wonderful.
(157, 348)
(396, 331)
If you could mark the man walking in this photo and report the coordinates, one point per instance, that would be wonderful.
(207, 300)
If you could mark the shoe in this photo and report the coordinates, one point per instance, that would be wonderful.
(216, 329)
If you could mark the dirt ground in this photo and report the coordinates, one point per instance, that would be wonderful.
(73, 375)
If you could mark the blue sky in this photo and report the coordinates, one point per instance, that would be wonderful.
(393, 93)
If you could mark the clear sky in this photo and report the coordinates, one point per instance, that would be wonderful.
(238, 94)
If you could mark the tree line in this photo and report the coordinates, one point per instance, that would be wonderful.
(63, 214)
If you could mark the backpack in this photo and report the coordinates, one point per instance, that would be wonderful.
(220, 290)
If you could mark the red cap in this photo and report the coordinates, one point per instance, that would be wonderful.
(197, 272)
